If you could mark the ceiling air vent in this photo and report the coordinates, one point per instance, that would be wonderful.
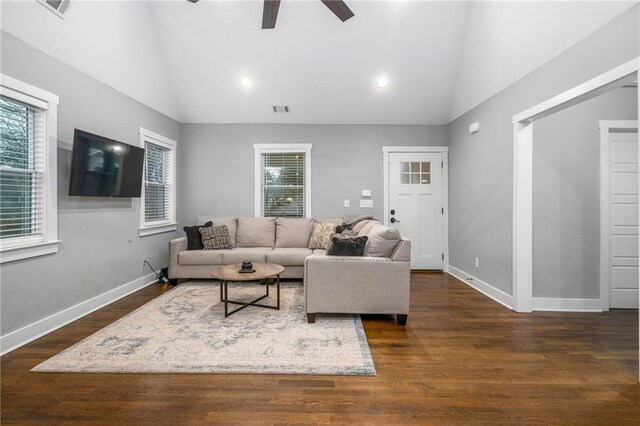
(59, 7)
(280, 108)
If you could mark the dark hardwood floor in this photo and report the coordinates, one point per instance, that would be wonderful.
(461, 359)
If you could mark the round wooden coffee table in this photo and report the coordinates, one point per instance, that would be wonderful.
(263, 271)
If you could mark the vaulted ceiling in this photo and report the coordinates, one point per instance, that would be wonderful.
(187, 60)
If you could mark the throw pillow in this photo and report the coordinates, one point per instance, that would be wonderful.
(358, 226)
(382, 241)
(215, 238)
(321, 235)
(346, 246)
(367, 227)
(194, 239)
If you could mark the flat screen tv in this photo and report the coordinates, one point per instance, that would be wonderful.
(102, 167)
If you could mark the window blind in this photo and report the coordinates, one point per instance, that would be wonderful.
(157, 184)
(22, 169)
(283, 185)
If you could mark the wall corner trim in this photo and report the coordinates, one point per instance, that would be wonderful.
(483, 287)
(15, 339)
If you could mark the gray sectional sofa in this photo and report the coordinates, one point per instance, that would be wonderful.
(333, 284)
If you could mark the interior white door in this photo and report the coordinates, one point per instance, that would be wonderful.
(416, 205)
(623, 214)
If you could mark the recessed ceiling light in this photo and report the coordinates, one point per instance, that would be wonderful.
(382, 82)
(245, 82)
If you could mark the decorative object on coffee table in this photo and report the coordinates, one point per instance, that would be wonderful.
(263, 271)
(247, 267)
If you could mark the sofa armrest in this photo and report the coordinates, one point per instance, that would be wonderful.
(356, 284)
(402, 252)
(175, 246)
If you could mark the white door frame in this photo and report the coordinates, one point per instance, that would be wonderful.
(606, 126)
(444, 150)
(523, 170)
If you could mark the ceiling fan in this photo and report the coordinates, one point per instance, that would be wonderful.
(271, 7)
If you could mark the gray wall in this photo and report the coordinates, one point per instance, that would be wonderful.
(218, 164)
(100, 247)
(481, 165)
(566, 195)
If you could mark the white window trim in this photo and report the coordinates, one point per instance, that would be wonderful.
(158, 227)
(28, 246)
(269, 148)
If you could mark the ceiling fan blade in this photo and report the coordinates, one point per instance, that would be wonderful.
(270, 14)
(339, 8)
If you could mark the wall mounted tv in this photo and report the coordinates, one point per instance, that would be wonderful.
(102, 167)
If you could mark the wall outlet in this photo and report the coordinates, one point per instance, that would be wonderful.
(346, 203)
(144, 260)
(477, 262)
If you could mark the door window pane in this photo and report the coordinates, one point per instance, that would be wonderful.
(415, 173)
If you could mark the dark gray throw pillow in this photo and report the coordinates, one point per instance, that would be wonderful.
(347, 246)
(194, 239)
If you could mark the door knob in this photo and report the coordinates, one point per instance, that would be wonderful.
(394, 220)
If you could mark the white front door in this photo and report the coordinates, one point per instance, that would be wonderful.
(623, 218)
(416, 206)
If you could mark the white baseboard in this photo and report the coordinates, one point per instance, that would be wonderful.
(566, 305)
(33, 331)
(484, 288)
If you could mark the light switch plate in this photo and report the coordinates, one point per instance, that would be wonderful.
(366, 204)
(366, 193)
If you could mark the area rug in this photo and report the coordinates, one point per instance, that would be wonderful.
(185, 331)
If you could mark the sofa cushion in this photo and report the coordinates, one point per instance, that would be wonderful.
(346, 246)
(367, 227)
(215, 238)
(256, 232)
(382, 241)
(240, 254)
(334, 220)
(321, 235)
(200, 257)
(291, 233)
(288, 256)
(230, 222)
(194, 239)
(319, 252)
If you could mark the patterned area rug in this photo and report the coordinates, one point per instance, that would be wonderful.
(184, 331)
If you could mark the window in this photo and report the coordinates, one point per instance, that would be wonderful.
(158, 212)
(415, 172)
(28, 144)
(283, 180)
